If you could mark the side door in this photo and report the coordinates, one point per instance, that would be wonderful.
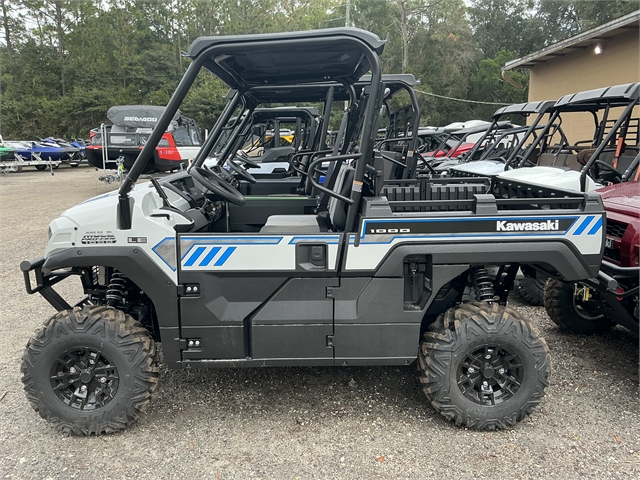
(257, 297)
(378, 312)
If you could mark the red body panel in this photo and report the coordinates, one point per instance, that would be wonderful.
(622, 204)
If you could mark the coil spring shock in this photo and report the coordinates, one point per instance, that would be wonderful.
(117, 289)
(483, 285)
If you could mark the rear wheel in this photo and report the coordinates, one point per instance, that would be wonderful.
(567, 308)
(483, 366)
(90, 371)
(531, 290)
(40, 167)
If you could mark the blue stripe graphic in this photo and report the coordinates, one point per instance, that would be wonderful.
(596, 227)
(222, 240)
(212, 253)
(583, 226)
(328, 239)
(224, 257)
(194, 257)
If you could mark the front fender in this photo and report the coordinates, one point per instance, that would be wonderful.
(141, 270)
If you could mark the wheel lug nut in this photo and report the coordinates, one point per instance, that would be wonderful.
(501, 371)
(103, 380)
(471, 370)
(83, 388)
(92, 361)
(485, 383)
(72, 370)
(488, 357)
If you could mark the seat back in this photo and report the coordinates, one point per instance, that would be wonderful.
(562, 160)
(337, 208)
(277, 154)
(625, 161)
(568, 160)
(546, 159)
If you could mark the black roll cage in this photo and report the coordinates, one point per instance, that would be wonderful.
(523, 109)
(225, 47)
(593, 101)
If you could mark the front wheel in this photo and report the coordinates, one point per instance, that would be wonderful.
(90, 371)
(566, 306)
(483, 366)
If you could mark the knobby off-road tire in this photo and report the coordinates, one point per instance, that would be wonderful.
(570, 313)
(531, 290)
(476, 343)
(90, 371)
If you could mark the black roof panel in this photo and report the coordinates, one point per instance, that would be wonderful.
(317, 92)
(618, 94)
(288, 58)
(284, 113)
(296, 93)
(483, 128)
(525, 108)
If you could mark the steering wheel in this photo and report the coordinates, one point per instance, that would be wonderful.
(216, 184)
(610, 174)
(241, 171)
(246, 159)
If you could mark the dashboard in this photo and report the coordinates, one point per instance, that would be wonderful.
(200, 203)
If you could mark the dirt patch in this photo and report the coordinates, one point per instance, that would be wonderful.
(291, 423)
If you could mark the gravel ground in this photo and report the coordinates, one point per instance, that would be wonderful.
(291, 423)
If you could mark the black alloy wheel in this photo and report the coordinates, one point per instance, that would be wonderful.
(483, 366)
(90, 370)
(84, 378)
(490, 375)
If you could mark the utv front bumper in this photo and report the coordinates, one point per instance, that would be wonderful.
(44, 282)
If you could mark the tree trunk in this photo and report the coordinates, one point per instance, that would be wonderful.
(7, 33)
(405, 35)
(60, 31)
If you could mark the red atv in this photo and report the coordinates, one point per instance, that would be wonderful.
(595, 305)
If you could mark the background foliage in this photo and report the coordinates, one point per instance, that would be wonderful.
(65, 62)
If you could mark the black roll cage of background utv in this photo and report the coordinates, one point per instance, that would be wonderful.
(296, 115)
(456, 138)
(288, 114)
(244, 62)
(594, 101)
(525, 110)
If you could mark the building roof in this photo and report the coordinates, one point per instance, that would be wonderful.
(607, 31)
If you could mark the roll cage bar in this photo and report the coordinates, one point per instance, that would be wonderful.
(523, 109)
(593, 101)
(317, 56)
(243, 123)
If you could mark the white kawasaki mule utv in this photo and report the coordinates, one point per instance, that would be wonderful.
(363, 281)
